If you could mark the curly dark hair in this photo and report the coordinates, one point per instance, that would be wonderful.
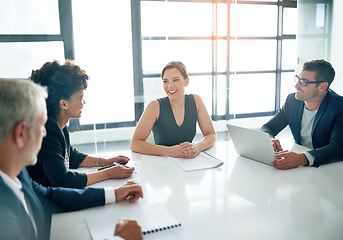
(62, 82)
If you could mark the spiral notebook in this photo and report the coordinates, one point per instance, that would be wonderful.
(156, 222)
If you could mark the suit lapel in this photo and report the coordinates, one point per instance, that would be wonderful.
(33, 201)
(321, 111)
(298, 113)
(18, 213)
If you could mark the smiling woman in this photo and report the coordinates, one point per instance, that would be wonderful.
(172, 119)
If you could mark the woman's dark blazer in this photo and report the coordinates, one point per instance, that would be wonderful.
(51, 169)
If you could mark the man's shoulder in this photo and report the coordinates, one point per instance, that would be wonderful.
(292, 100)
(335, 99)
(335, 95)
(334, 102)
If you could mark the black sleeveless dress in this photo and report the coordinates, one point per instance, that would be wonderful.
(167, 132)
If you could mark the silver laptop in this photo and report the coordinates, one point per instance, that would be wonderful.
(252, 144)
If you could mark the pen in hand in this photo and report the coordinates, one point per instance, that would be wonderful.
(113, 164)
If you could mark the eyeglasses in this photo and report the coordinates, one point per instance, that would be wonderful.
(304, 82)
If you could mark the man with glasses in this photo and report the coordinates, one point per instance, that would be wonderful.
(314, 114)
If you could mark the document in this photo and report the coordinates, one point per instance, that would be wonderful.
(156, 222)
(202, 161)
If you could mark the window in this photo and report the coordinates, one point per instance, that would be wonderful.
(240, 54)
(103, 48)
(29, 36)
(29, 17)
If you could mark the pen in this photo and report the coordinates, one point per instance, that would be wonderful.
(113, 164)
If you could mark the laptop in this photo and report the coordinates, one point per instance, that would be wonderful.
(252, 144)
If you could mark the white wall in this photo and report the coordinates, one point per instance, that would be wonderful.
(337, 46)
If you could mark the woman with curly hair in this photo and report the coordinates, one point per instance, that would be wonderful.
(66, 84)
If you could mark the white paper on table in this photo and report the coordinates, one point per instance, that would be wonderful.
(202, 161)
(155, 221)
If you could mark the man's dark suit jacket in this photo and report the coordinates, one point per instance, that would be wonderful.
(43, 201)
(327, 130)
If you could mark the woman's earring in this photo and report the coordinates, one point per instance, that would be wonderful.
(65, 108)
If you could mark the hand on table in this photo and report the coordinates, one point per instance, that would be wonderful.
(119, 171)
(189, 150)
(287, 160)
(128, 230)
(131, 191)
(117, 159)
(184, 150)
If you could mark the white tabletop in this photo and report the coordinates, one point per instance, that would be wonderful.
(242, 199)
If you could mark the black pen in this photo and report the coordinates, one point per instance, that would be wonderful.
(113, 164)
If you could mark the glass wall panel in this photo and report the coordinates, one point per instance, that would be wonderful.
(222, 54)
(289, 54)
(153, 89)
(105, 53)
(314, 31)
(176, 19)
(290, 21)
(252, 93)
(17, 60)
(320, 17)
(252, 55)
(29, 17)
(221, 95)
(253, 20)
(201, 85)
(222, 19)
(195, 54)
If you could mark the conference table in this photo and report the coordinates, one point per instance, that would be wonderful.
(242, 199)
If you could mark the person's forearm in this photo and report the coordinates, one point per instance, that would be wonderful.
(143, 147)
(96, 177)
(208, 141)
(91, 162)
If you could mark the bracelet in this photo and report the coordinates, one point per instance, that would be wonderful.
(97, 161)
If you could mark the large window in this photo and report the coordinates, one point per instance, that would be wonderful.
(238, 53)
(29, 36)
(103, 47)
(241, 55)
